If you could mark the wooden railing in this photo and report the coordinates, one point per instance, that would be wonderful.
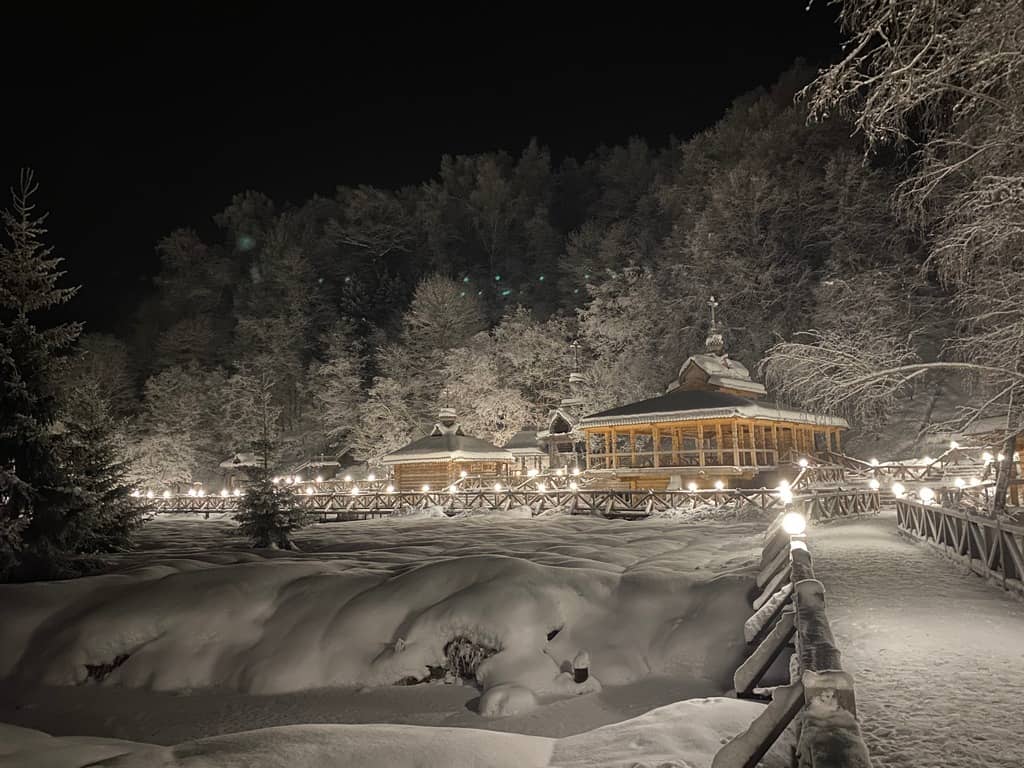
(822, 505)
(990, 547)
(792, 604)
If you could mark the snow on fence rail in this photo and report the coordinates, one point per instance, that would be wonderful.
(989, 546)
(792, 605)
(816, 505)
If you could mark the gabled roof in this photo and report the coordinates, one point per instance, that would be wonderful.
(524, 442)
(693, 404)
(450, 446)
(722, 371)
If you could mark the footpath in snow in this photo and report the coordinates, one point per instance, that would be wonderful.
(936, 652)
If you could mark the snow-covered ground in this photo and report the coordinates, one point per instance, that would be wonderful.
(937, 654)
(194, 635)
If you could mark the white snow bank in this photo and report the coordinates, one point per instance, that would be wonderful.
(409, 512)
(521, 512)
(735, 509)
(642, 599)
(687, 733)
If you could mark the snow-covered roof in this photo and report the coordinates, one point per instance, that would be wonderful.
(447, 442)
(524, 443)
(722, 371)
(242, 460)
(694, 404)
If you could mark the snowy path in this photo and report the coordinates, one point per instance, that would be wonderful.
(937, 654)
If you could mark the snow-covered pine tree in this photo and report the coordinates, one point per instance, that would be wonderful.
(269, 512)
(35, 493)
(92, 451)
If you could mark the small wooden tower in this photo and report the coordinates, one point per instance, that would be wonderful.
(440, 458)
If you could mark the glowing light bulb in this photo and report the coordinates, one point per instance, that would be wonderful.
(794, 523)
(691, 487)
(573, 485)
(874, 462)
(166, 494)
(986, 457)
(309, 490)
(136, 493)
(371, 477)
(959, 482)
(927, 495)
(719, 485)
(390, 489)
(355, 490)
(1000, 457)
(298, 478)
(873, 484)
(802, 462)
(191, 491)
(223, 492)
(319, 479)
(202, 492)
(347, 478)
(497, 487)
(576, 471)
(953, 445)
(532, 473)
(149, 494)
(898, 490)
(463, 474)
(453, 488)
(785, 492)
(237, 492)
(425, 488)
(541, 487)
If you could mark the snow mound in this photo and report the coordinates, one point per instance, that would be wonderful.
(687, 733)
(640, 606)
(409, 512)
(521, 512)
(734, 510)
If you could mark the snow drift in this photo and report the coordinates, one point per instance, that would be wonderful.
(640, 606)
(684, 734)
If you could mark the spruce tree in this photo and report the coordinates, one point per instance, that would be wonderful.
(35, 493)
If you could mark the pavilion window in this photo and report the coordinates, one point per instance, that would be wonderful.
(643, 449)
(597, 454)
(689, 447)
(820, 442)
(710, 446)
(623, 449)
(667, 456)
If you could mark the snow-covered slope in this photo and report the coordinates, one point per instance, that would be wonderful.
(381, 607)
(685, 734)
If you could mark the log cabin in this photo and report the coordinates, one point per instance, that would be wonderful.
(528, 452)
(714, 422)
(440, 458)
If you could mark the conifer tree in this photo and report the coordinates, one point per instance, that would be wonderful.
(36, 496)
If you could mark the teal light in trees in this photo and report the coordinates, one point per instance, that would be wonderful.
(541, 278)
(506, 292)
(246, 243)
(497, 278)
(465, 279)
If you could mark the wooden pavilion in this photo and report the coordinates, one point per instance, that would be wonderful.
(527, 450)
(713, 423)
(440, 458)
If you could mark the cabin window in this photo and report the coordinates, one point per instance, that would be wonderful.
(820, 442)
(598, 450)
(643, 449)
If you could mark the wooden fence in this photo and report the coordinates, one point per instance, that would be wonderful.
(791, 607)
(990, 547)
(331, 505)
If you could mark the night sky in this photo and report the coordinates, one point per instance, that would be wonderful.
(138, 123)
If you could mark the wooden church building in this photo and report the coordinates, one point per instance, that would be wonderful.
(440, 458)
(714, 422)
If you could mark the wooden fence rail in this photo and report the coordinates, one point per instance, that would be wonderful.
(990, 547)
(791, 608)
(330, 505)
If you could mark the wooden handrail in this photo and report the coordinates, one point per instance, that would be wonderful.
(793, 605)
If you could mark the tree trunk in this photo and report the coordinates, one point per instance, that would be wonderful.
(1004, 475)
